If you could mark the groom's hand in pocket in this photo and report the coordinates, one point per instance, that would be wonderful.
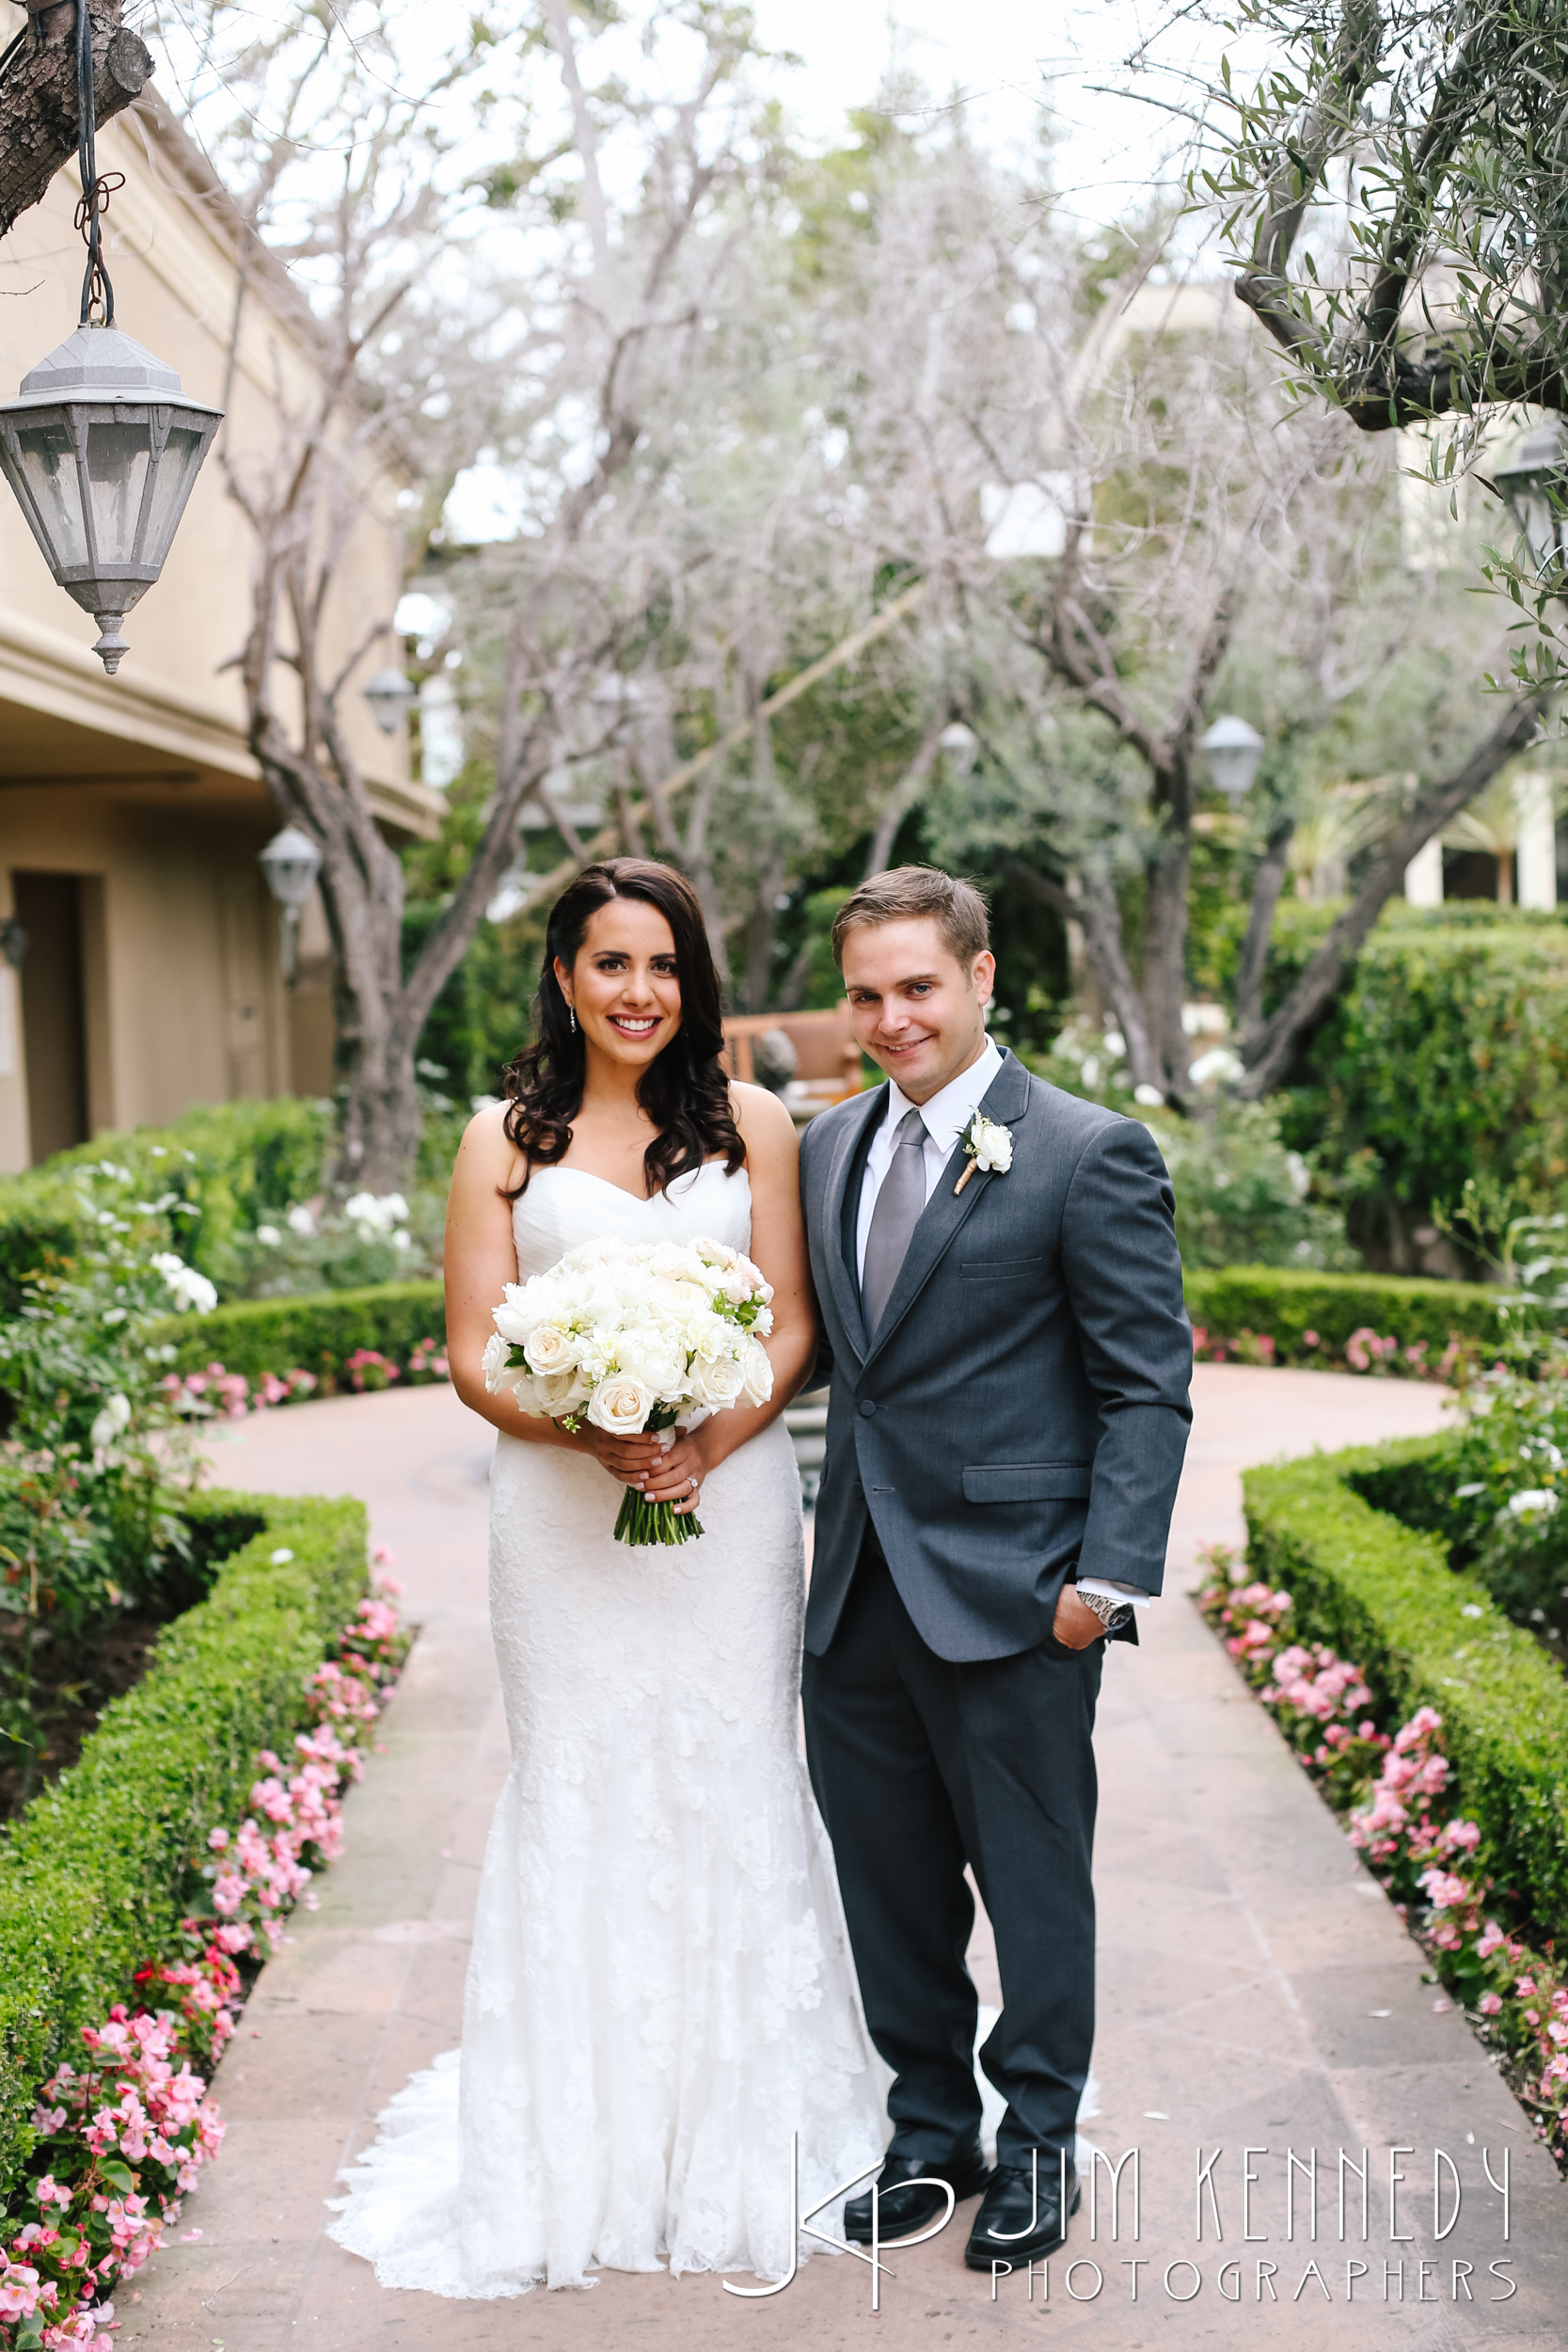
(1075, 1624)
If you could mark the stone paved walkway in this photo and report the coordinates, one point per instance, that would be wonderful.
(1257, 1992)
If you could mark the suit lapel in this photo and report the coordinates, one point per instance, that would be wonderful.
(1006, 1102)
(848, 1155)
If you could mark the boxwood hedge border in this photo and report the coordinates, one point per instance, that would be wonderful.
(1425, 1634)
(1285, 1303)
(90, 1874)
(316, 1332)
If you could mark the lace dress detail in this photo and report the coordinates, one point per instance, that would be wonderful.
(660, 1991)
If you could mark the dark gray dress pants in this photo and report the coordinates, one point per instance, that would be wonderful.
(920, 1766)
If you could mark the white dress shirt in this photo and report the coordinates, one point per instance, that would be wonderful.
(945, 1117)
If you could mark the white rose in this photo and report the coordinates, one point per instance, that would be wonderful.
(763, 1323)
(620, 1404)
(549, 1350)
(511, 1318)
(559, 1393)
(758, 1373)
(718, 1384)
(502, 1377)
(993, 1145)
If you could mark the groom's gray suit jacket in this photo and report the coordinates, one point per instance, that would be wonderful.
(1023, 1408)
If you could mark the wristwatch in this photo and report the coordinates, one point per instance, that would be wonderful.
(1113, 1614)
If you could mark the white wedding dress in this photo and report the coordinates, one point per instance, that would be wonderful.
(661, 1992)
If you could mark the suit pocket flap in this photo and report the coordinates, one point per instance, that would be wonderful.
(1027, 1481)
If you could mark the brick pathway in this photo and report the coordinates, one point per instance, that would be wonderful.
(1257, 1992)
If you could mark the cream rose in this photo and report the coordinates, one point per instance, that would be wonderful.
(620, 1404)
(549, 1350)
(560, 1392)
(757, 1374)
(716, 1384)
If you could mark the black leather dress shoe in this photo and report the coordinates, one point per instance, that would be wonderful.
(907, 2199)
(1002, 2232)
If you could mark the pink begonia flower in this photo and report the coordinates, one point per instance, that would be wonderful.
(1524, 1986)
(1491, 2003)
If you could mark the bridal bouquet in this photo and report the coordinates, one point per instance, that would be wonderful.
(636, 1337)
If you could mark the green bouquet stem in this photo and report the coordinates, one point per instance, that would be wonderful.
(644, 1522)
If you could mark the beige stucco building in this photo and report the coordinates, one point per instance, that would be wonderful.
(130, 810)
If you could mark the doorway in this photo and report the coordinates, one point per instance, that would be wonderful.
(54, 1010)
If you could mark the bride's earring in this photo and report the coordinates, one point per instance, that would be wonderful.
(572, 1015)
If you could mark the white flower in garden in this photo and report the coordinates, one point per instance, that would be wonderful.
(268, 1235)
(376, 1217)
(620, 1404)
(1149, 1097)
(1534, 1499)
(301, 1221)
(189, 1288)
(112, 1422)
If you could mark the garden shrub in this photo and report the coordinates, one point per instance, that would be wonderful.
(227, 1165)
(1313, 1318)
(1426, 1634)
(317, 1333)
(89, 1875)
(1444, 1058)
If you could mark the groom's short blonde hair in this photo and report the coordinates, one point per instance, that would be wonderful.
(906, 892)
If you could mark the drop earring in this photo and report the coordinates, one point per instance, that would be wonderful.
(572, 1015)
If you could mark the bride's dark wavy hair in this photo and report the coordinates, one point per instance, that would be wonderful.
(684, 1089)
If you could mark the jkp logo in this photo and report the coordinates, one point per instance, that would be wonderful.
(873, 2252)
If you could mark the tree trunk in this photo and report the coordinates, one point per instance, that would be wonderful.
(1099, 918)
(1165, 980)
(1270, 1049)
(37, 97)
(1266, 885)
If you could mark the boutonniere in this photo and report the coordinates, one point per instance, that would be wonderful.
(988, 1145)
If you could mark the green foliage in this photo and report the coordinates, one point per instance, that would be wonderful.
(226, 1166)
(316, 1334)
(1445, 1060)
(1286, 1305)
(1496, 1493)
(89, 1876)
(1425, 1635)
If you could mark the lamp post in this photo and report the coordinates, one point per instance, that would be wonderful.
(959, 746)
(101, 448)
(1534, 484)
(1234, 751)
(290, 863)
(388, 694)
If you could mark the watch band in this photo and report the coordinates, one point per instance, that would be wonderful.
(1113, 1614)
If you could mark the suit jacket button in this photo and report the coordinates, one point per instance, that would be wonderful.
(867, 1409)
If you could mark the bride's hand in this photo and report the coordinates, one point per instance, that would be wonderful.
(660, 1475)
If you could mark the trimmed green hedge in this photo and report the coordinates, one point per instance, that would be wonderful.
(317, 1332)
(89, 1876)
(1384, 1595)
(1285, 1305)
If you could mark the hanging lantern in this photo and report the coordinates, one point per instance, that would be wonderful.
(959, 746)
(290, 863)
(102, 447)
(1234, 750)
(388, 694)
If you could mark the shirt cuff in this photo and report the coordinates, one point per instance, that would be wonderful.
(1134, 1592)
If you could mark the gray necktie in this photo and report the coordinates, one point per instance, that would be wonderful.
(894, 1218)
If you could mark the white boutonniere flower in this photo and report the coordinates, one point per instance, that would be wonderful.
(988, 1145)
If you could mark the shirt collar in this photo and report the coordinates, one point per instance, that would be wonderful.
(949, 1110)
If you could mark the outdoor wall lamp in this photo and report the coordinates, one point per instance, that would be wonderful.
(1534, 485)
(101, 448)
(1234, 751)
(388, 694)
(290, 863)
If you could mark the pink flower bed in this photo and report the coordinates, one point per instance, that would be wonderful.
(1365, 1351)
(124, 2130)
(217, 1394)
(1395, 1788)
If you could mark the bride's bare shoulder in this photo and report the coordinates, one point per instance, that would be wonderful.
(766, 1127)
(487, 1157)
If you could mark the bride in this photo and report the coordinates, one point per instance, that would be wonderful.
(661, 1993)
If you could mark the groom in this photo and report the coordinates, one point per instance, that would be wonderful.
(1009, 1414)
